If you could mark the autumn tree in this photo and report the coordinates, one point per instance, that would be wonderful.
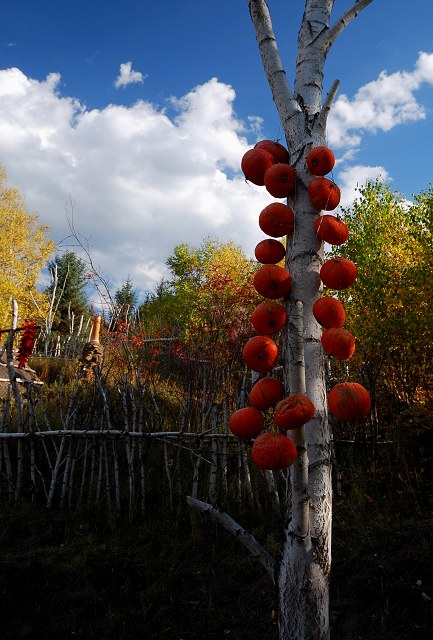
(24, 251)
(301, 573)
(388, 307)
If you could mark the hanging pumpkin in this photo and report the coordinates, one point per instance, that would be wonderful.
(339, 343)
(255, 163)
(273, 451)
(270, 251)
(331, 229)
(293, 412)
(266, 393)
(260, 354)
(338, 273)
(246, 423)
(320, 161)
(277, 220)
(280, 180)
(329, 312)
(272, 281)
(349, 401)
(269, 317)
(324, 194)
(276, 149)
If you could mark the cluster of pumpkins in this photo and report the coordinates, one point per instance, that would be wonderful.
(267, 164)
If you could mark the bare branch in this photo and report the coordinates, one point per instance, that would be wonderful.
(323, 116)
(332, 34)
(249, 541)
(283, 97)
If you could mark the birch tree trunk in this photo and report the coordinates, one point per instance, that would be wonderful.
(304, 570)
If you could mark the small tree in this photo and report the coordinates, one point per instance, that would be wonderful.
(67, 291)
(125, 300)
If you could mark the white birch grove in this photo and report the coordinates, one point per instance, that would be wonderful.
(302, 573)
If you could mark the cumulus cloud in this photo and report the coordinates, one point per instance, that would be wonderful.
(379, 105)
(350, 178)
(136, 181)
(128, 76)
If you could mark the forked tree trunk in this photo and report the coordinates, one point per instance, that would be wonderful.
(301, 574)
(304, 570)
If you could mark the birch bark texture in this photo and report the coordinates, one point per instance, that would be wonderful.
(304, 568)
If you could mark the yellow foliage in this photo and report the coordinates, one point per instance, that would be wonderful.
(24, 250)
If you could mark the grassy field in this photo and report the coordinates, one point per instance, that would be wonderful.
(67, 575)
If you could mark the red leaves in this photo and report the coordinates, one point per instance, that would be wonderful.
(27, 343)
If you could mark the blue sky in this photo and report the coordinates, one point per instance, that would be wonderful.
(133, 116)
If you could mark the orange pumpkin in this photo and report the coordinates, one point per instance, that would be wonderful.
(246, 423)
(338, 273)
(339, 343)
(324, 193)
(273, 451)
(276, 149)
(277, 220)
(260, 354)
(255, 163)
(266, 393)
(349, 401)
(272, 281)
(269, 317)
(329, 312)
(293, 412)
(270, 251)
(320, 161)
(280, 180)
(331, 229)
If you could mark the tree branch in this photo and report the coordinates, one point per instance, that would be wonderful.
(283, 97)
(332, 34)
(249, 541)
(323, 116)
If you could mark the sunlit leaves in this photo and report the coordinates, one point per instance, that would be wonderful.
(24, 250)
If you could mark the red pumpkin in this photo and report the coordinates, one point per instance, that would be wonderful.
(272, 281)
(329, 312)
(276, 149)
(349, 401)
(320, 161)
(269, 317)
(338, 273)
(339, 343)
(260, 354)
(270, 251)
(331, 229)
(277, 220)
(280, 180)
(246, 423)
(324, 194)
(255, 163)
(266, 393)
(273, 451)
(293, 412)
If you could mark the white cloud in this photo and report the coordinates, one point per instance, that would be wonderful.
(356, 176)
(127, 76)
(379, 105)
(139, 182)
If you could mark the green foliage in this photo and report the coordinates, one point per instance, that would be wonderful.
(391, 242)
(68, 288)
(207, 301)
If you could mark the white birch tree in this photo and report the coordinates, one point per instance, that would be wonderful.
(301, 574)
